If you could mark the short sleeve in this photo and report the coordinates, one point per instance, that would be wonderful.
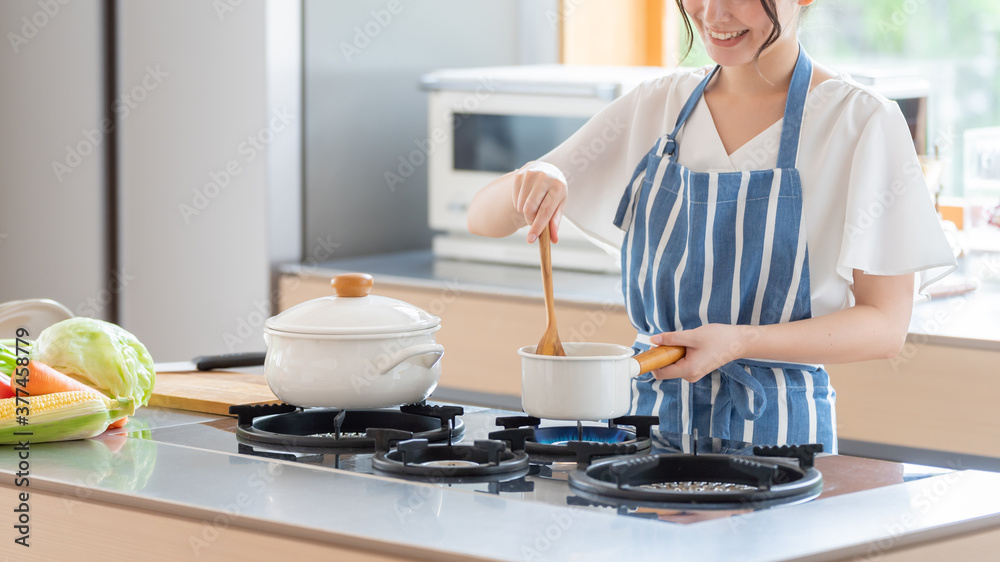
(597, 163)
(891, 225)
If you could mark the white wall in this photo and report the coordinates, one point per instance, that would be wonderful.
(52, 226)
(538, 32)
(195, 218)
(366, 111)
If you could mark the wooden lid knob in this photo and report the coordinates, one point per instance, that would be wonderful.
(352, 284)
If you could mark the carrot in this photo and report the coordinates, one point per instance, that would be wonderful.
(43, 379)
(119, 423)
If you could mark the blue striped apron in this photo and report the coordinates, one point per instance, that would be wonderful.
(725, 248)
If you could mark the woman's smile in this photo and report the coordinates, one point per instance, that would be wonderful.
(725, 38)
(725, 35)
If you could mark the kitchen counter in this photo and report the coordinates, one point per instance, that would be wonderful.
(227, 493)
(968, 320)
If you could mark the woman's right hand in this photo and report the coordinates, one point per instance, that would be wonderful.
(540, 195)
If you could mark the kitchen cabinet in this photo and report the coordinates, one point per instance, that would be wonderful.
(937, 396)
(71, 525)
(942, 398)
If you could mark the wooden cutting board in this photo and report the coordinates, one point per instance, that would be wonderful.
(210, 392)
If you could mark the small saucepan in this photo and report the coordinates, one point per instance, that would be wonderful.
(591, 382)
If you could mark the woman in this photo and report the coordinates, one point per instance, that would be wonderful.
(777, 223)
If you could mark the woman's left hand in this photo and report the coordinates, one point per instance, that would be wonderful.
(708, 348)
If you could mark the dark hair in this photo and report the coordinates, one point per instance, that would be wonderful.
(772, 14)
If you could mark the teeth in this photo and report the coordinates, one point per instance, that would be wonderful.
(727, 35)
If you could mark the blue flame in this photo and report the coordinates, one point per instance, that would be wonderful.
(595, 434)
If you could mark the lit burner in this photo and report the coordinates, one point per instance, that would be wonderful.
(577, 442)
(590, 434)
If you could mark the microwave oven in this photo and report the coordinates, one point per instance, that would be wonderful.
(485, 122)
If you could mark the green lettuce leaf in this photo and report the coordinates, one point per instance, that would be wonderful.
(99, 354)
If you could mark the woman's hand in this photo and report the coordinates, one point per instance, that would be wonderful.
(708, 348)
(540, 195)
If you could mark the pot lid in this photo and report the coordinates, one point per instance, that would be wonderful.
(352, 310)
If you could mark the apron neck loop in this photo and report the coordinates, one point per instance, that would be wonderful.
(791, 125)
(795, 106)
(692, 102)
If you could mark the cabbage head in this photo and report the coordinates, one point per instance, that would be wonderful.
(99, 354)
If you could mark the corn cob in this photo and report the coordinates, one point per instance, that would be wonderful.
(60, 416)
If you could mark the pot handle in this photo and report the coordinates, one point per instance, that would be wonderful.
(434, 351)
(658, 356)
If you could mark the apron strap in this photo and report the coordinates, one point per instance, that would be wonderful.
(692, 101)
(795, 106)
(744, 383)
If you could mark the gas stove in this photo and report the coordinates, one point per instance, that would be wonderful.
(627, 435)
(505, 453)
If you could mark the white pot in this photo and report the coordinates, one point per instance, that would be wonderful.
(352, 350)
(591, 382)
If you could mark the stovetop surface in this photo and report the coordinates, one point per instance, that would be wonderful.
(546, 481)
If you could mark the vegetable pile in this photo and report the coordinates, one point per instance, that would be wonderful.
(80, 377)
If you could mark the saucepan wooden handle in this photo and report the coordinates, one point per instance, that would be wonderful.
(659, 356)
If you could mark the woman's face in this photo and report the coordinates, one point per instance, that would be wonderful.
(733, 30)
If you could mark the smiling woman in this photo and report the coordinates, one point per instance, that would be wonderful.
(741, 189)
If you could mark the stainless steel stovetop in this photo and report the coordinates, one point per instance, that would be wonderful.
(546, 481)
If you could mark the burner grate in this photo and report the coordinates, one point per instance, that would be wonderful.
(334, 429)
(723, 481)
(577, 442)
(416, 457)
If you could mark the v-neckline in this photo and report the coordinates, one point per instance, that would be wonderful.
(721, 146)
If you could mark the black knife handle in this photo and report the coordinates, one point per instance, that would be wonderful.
(227, 360)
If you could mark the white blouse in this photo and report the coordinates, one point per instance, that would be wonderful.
(865, 203)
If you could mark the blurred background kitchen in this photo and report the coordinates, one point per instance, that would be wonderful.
(183, 167)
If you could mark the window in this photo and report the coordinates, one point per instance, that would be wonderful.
(952, 45)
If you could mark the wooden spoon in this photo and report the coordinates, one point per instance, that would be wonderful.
(549, 344)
